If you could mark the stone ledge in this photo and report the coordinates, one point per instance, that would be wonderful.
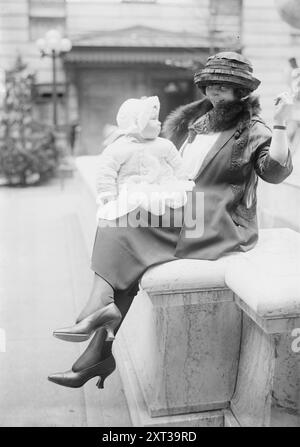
(266, 280)
(185, 275)
(276, 325)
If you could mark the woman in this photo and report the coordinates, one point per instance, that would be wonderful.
(225, 146)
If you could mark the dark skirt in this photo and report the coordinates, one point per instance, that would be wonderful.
(121, 254)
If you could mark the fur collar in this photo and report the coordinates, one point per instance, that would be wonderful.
(177, 124)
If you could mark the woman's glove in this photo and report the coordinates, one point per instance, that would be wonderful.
(283, 108)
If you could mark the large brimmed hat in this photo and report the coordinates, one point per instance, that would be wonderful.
(227, 67)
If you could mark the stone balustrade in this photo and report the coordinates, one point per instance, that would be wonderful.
(209, 343)
(266, 284)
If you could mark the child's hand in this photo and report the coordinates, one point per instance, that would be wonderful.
(107, 199)
(104, 200)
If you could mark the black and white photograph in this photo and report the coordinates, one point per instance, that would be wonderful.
(150, 216)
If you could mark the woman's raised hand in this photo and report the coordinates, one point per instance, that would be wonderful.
(283, 108)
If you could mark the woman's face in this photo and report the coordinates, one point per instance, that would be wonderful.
(218, 93)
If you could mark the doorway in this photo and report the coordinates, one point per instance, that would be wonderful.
(173, 93)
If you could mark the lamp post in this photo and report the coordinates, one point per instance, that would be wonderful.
(53, 45)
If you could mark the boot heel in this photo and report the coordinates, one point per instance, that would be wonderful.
(100, 383)
(110, 334)
(108, 316)
(110, 327)
(102, 377)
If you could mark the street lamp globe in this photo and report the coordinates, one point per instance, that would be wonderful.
(65, 45)
(53, 42)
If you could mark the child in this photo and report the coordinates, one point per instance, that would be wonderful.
(139, 168)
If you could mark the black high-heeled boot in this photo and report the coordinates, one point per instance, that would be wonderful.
(97, 359)
(108, 317)
(94, 353)
(76, 379)
(90, 363)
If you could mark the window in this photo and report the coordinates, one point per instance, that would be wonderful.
(47, 8)
(40, 25)
(226, 7)
(43, 110)
(45, 15)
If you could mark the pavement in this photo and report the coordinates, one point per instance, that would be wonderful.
(45, 279)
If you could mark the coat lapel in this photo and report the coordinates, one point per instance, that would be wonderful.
(221, 141)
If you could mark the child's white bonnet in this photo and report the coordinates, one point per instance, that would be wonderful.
(134, 114)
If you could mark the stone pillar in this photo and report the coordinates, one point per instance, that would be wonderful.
(266, 286)
(181, 340)
(268, 385)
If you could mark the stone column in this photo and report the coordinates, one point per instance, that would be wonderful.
(268, 385)
(266, 286)
(181, 340)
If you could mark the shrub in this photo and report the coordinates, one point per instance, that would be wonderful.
(28, 150)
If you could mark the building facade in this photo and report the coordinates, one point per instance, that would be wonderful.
(124, 48)
(121, 48)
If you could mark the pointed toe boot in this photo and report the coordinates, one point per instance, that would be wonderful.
(108, 317)
(76, 379)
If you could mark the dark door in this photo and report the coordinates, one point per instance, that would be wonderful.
(101, 92)
(173, 93)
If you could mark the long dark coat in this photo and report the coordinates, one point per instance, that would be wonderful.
(228, 177)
